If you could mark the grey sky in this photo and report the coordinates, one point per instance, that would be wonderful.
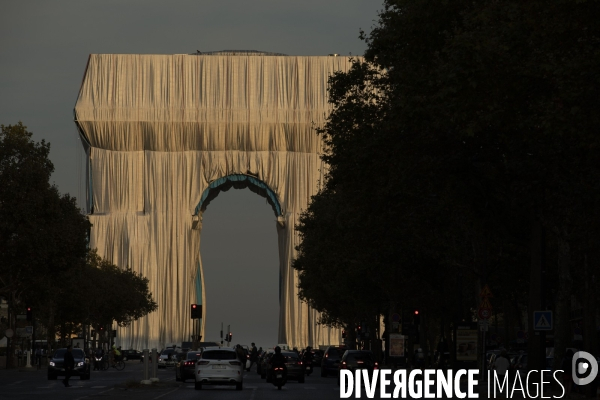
(44, 46)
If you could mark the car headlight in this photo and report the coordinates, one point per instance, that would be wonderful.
(80, 364)
(52, 363)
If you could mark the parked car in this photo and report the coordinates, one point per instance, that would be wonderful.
(331, 360)
(56, 364)
(218, 366)
(294, 366)
(131, 355)
(185, 367)
(168, 357)
(353, 360)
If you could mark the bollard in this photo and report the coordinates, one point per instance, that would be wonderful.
(146, 380)
(28, 359)
(154, 366)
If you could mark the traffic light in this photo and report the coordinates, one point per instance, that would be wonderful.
(29, 314)
(416, 317)
(196, 311)
(229, 337)
(358, 329)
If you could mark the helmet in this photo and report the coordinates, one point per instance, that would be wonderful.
(277, 349)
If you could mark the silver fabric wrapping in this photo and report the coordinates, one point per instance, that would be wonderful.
(161, 128)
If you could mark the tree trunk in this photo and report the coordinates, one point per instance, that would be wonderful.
(562, 324)
(534, 360)
(589, 318)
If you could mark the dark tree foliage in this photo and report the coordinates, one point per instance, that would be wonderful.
(25, 196)
(100, 292)
(466, 123)
(44, 259)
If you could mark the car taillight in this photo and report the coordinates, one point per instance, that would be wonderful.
(189, 363)
(278, 369)
(202, 362)
(343, 365)
(376, 366)
(299, 362)
(235, 363)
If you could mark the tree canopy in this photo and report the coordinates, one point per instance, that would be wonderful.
(45, 262)
(466, 123)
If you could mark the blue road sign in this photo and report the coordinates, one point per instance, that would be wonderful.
(542, 321)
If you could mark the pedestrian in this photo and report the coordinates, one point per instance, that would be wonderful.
(241, 355)
(38, 357)
(69, 365)
(253, 355)
(501, 366)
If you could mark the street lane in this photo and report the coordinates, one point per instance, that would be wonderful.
(125, 384)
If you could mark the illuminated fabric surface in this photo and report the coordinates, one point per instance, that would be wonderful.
(159, 129)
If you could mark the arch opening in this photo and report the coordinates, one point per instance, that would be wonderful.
(240, 278)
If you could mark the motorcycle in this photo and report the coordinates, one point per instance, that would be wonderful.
(308, 367)
(279, 377)
(98, 363)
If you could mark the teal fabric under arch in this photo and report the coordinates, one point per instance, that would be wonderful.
(198, 284)
(238, 181)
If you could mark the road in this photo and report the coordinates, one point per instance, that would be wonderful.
(111, 384)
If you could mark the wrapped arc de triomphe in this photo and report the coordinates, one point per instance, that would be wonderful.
(164, 134)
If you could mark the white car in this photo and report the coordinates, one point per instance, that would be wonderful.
(219, 366)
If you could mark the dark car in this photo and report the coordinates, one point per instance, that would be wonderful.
(186, 366)
(353, 360)
(294, 366)
(131, 355)
(56, 364)
(331, 360)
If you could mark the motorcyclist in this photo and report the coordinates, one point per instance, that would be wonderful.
(99, 355)
(307, 357)
(278, 360)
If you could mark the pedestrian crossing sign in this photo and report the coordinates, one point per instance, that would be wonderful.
(542, 320)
